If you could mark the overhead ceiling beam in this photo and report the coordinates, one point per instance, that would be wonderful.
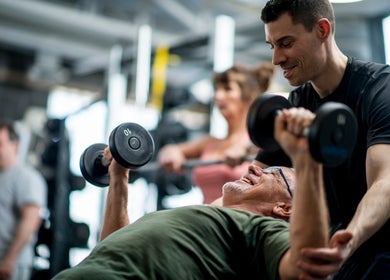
(59, 18)
(58, 26)
(186, 17)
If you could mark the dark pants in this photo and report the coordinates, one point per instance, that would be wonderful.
(366, 268)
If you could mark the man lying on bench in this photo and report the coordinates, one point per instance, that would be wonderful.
(249, 237)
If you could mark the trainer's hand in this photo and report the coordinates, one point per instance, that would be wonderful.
(324, 262)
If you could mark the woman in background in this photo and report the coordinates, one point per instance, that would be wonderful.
(235, 90)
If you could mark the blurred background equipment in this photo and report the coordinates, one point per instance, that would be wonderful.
(58, 233)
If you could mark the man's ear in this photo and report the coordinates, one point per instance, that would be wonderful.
(324, 28)
(282, 210)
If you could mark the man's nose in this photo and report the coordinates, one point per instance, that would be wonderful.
(255, 169)
(278, 56)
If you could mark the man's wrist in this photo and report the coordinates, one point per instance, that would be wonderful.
(120, 181)
(304, 162)
(307, 164)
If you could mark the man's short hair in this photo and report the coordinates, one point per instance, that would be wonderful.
(305, 12)
(10, 127)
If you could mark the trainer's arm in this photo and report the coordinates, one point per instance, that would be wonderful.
(309, 222)
(372, 212)
(374, 209)
(115, 214)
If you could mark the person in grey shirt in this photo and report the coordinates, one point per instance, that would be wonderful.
(23, 193)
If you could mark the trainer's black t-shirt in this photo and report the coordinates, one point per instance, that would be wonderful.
(365, 88)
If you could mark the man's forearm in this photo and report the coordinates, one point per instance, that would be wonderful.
(115, 215)
(28, 225)
(309, 222)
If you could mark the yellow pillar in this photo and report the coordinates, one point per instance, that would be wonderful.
(160, 66)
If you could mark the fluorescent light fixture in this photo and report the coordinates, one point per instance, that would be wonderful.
(144, 51)
(224, 43)
(345, 1)
(223, 59)
(386, 32)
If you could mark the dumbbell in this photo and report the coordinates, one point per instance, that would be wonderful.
(131, 146)
(331, 136)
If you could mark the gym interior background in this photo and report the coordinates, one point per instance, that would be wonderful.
(71, 70)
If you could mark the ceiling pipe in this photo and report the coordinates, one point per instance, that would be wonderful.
(56, 24)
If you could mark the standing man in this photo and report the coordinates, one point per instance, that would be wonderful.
(22, 195)
(301, 35)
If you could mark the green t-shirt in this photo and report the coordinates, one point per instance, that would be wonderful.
(193, 242)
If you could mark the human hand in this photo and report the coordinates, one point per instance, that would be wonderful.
(6, 269)
(171, 159)
(289, 128)
(235, 155)
(115, 169)
(319, 263)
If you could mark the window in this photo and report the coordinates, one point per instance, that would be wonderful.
(386, 37)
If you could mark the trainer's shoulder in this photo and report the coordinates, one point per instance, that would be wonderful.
(369, 68)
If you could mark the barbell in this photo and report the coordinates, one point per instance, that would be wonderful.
(331, 136)
(189, 164)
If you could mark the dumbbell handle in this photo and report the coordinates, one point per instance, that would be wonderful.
(189, 164)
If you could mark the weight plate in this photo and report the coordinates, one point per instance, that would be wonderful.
(332, 135)
(91, 168)
(260, 120)
(131, 145)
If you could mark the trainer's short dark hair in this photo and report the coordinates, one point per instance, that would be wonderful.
(305, 12)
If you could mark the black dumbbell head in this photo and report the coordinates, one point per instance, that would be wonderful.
(91, 165)
(131, 145)
(260, 120)
(332, 135)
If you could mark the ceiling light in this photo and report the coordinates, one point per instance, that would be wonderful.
(345, 1)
